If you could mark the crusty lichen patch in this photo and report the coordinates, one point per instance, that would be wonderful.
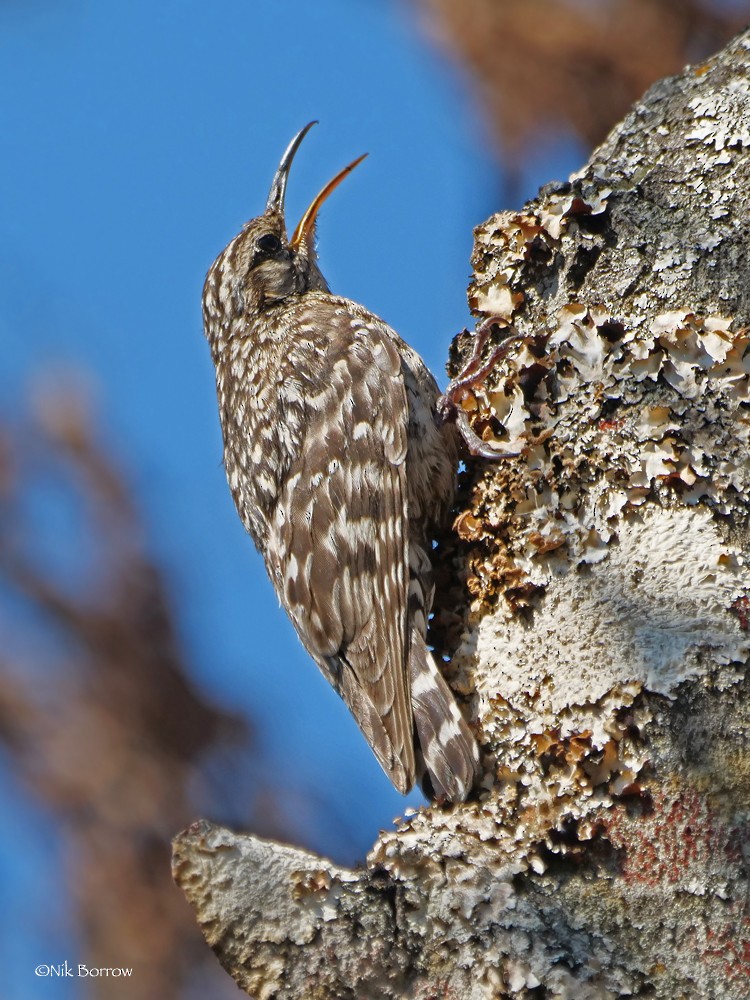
(632, 443)
(603, 418)
(644, 616)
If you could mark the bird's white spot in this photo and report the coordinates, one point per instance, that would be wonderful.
(292, 568)
(265, 482)
(447, 732)
(422, 684)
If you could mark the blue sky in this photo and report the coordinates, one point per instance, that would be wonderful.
(137, 138)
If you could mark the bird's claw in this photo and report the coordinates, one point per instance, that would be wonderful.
(449, 407)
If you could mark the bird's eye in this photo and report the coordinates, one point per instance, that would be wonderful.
(269, 243)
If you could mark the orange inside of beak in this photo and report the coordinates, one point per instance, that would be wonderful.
(307, 223)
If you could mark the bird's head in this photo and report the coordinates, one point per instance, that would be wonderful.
(262, 266)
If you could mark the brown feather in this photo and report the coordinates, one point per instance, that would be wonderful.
(340, 475)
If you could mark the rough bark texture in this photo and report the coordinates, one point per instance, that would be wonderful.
(604, 649)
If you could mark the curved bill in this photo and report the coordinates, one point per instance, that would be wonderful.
(278, 187)
(307, 223)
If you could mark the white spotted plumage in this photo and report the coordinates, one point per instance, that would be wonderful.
(340, 474)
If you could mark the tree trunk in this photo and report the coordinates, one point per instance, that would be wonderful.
(606, 640)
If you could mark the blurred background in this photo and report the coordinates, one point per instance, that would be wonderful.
(147, 675)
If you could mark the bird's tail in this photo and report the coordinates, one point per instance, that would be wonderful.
(447, 747)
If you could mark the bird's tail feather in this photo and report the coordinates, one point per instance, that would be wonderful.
(446, 746)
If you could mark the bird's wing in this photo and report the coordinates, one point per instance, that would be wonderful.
(340, 536)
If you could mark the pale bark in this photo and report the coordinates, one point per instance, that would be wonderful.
(604, 653)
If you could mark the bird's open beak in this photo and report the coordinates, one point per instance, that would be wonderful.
(307, 223)
(278, 187)
(277, 193)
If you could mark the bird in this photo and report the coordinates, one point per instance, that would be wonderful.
(341, 473)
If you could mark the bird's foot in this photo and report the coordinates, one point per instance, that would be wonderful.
(449, 408)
